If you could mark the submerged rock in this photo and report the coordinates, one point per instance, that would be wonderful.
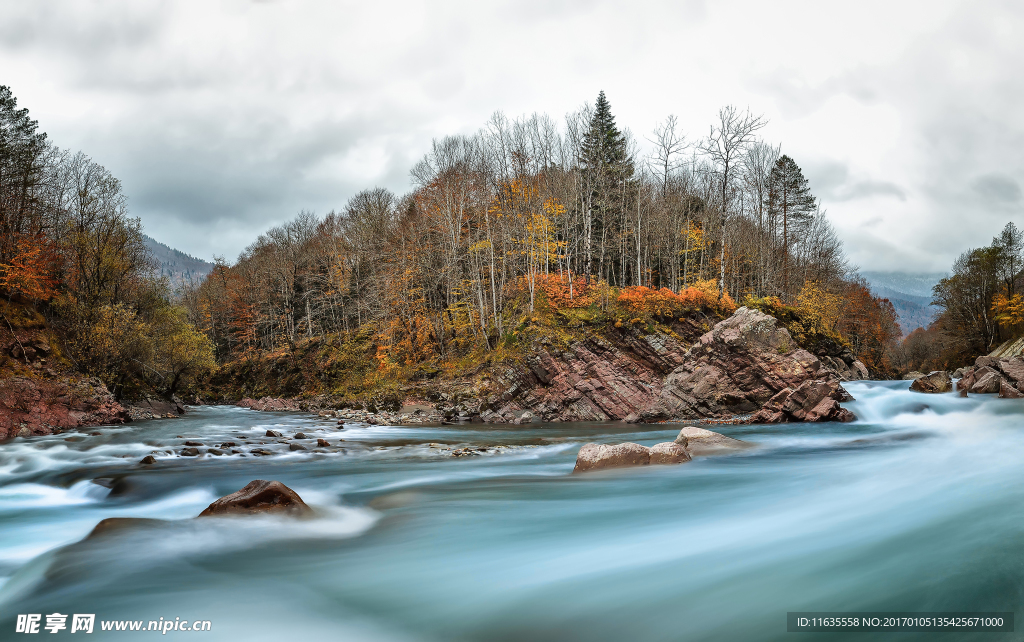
(937, 381)
(148, 459)
(601, 456)
(189, 452)
(257, 497)
(112, 525)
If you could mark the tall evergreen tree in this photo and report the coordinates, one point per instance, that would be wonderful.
(607, 165)
(21, 155)
(789, 199)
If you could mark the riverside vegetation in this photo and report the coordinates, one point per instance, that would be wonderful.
(528, 254)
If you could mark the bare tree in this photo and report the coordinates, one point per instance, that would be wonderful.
(724, 146)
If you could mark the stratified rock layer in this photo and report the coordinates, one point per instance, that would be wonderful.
(40, 406)
(748, 364)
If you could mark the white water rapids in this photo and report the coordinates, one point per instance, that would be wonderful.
(917, 506)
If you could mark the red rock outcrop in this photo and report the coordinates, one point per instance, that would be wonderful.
(740, 365)
(747, 364)
(40, 406)
(591, 380)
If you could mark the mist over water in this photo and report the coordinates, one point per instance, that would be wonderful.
(917, 506)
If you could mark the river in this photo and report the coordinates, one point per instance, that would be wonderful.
(916, 506)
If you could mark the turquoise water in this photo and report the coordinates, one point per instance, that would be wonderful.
(917, 506)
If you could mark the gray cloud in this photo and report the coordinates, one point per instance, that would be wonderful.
(223, 119)
(831, 181)
(998, 189)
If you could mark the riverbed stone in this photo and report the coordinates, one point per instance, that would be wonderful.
(323, 443)
(273, 433)
(260, 496)
(602, 456)
(189, 452)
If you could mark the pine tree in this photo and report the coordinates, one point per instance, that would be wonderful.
(789, 198)
(606, 163)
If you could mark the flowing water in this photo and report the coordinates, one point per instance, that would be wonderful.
(917, 506)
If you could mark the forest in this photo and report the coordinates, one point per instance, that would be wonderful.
(528, 223)
(533, 215)
(70, 250)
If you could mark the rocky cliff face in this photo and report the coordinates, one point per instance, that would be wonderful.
(592, 380)
(40, 393)
(746, 364)
(41, 406)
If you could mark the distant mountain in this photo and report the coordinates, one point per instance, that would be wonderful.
(919, 285)
(910, 294)
(175, 264)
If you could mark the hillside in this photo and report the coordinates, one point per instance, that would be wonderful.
(175, 264)
(910, 295)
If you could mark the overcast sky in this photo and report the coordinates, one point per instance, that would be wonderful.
(223, 119)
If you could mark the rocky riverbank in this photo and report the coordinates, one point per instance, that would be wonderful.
(747, 368)
(41, 393)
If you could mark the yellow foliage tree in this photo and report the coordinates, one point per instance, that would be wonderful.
(819, 306)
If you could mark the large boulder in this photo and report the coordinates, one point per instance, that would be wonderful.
(1007, 391)
(741, 365)
(986, 380)
(601, 456)
(934, 382)
(260, 496)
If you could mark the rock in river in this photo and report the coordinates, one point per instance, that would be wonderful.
(935, 382)
(706, 442)
(259, 496)
(601, 456)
